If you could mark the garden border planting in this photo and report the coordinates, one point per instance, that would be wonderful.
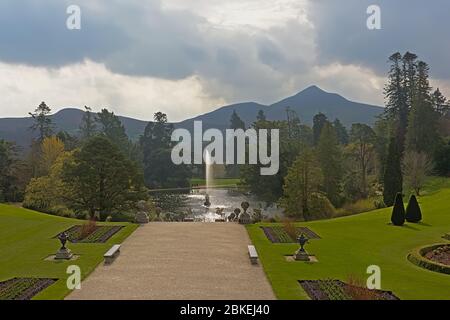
(339, 290)
(418, 258)
(100, 234)
(446, 236)
(277, 234)
(23, 288)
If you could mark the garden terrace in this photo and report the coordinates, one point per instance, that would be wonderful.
(349, 245)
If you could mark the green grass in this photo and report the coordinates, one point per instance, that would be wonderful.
(350, 244)
(224, 182)
(26, 240)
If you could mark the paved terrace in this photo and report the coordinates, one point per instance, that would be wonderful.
(180, 261)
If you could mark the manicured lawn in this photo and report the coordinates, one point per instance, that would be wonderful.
(26, 240)
(216, 182)
(350, 244)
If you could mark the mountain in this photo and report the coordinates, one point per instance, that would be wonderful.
(306, 103)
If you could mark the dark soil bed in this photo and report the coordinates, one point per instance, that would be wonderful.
(440, 255)
(23, 288)
(338, 290)
(278, 234)
(98, 234)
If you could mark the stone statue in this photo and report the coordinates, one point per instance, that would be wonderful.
(141, 216)
(207, 202)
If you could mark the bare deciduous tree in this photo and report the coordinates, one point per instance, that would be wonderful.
(416, 167)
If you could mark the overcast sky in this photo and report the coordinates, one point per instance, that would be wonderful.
(186, 57)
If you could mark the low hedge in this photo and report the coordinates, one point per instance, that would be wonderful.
(417, 257)
(446, 236)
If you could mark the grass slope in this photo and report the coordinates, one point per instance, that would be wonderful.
(26, 240)
(350, 244)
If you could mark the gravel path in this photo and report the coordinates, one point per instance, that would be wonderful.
(180, 261)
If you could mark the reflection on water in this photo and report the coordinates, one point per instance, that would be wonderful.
(227, 199)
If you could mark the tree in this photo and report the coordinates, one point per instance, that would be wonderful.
(341, 132)
(362, 147)
(442, 159)
(261, 116)
(102, 179)
(393, 179)
(301, 182)
(423, 119)
(330, 159)
(42, 121)
(319, 122)
(156, 144)
(413, 212)
(47, 193)
(51, 149)
(416, 167)
(70, 142)
(7, 177)
(440, 103)
(233, 170)
(396, 96)
(398, 211)
(88, 125)
(112, 128)
(236, 122)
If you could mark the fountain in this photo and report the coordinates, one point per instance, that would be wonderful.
(208, 176)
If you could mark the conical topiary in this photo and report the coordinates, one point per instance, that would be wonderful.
(398, 212)
(413, 212)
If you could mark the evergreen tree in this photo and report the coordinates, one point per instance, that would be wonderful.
(42, 121)
(88, 125)
(413, 212)
(112, 128)
(397, 107)
(261, 116)
(319, 122)
(440, 103)
(7, 177)
(398, 211)
(341, 132)
(156, 145)
(236, 122)
(393, 180)
(423, 119)
(301, 182)
(233, 170)
(102, 179)
(330, 159)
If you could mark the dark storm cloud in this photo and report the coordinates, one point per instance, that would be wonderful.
(415, 25)
(129, 37)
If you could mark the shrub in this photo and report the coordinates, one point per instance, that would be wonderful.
(413, 212)
(290, 229)
(398, 212)
(88, 228)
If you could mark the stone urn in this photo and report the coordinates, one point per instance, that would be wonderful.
(301, 254)
(63, 252)
(141, 216)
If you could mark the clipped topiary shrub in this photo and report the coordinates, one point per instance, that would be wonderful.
(398, 212)
(413, 212)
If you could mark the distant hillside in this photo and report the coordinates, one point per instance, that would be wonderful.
(306, 103)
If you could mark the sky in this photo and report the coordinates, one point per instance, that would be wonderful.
(187, 57)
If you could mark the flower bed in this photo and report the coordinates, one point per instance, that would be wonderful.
(23, 288)
(278, 234)
(432, 257)
(99, 234)
(338, 290)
